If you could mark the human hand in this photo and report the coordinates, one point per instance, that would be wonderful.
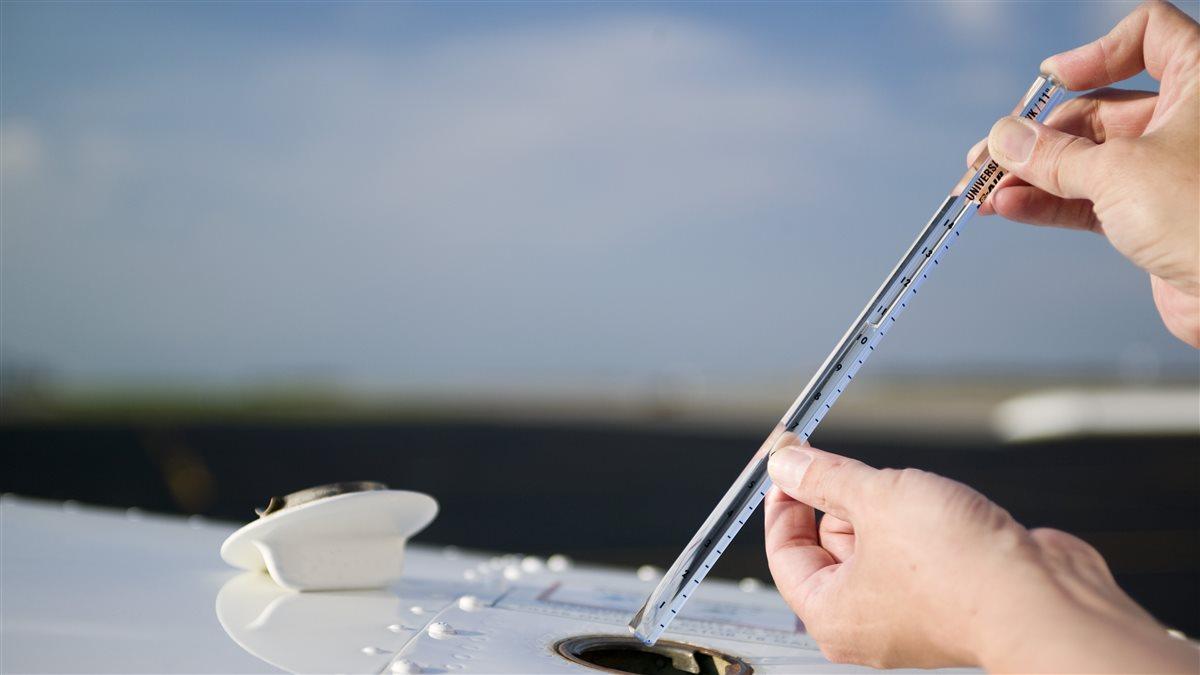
(911, 569)
(1125, 164)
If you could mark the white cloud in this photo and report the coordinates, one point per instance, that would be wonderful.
(529, 125)
(481, 177)
(20, 150)
(982, 22)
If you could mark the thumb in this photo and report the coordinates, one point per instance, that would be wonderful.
(1059, 163)
(834, 484)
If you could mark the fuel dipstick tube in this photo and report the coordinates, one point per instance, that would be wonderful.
(835, 374)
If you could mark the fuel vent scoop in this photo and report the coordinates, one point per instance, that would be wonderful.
(342, 536)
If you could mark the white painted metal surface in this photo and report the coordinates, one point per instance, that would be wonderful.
(95, 590)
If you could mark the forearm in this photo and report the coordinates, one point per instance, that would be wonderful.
(1070, 631)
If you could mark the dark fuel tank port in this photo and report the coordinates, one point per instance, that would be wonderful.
(627, 655)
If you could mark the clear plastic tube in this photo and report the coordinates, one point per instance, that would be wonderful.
(834, 375)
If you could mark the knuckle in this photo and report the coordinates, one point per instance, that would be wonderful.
(1048, 536)
(995, 520)
(829, 482)
(836, 481)
(813, 486)
(888, 485)
(976, 505)
(893, 480)
(1094, 118)
(1007, 537)
(1055, 157)
(885, 483)
(1079, 107)
(1048, 542)
(1155, 7)
(1084, 216)
(888, 479)
(1067, 543)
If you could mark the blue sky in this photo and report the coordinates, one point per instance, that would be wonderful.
(408, 195)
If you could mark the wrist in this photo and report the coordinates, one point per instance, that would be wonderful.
(1018, 626)
(1046, 618)
(1016, 606)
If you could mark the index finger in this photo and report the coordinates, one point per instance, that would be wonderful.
(1151, 37)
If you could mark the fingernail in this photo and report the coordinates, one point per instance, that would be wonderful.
(787, 466)
(1012, 139)
(1048, 67)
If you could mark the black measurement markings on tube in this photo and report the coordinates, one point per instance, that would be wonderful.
(1036, 109)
